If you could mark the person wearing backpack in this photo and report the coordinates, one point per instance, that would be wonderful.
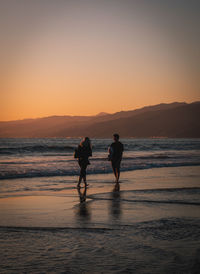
(82, 153)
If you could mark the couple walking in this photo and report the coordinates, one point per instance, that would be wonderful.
(84, 151)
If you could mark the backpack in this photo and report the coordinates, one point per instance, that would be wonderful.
(76, 153)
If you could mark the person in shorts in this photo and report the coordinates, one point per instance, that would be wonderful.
(115, 155)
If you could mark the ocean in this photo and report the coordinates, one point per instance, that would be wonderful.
(27, 158)
(151, 224)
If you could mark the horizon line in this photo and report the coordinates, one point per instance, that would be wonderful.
(106, 113)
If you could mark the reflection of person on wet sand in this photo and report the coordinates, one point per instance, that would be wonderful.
(115, 206)
(83, 208)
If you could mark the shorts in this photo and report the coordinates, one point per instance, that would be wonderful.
(116, 163)
(83, 162)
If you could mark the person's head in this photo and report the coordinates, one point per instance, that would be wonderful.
(116, 137)
(85, 142)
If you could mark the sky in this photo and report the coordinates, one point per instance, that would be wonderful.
(82, 57)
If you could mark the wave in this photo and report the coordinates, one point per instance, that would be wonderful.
(144, 201)
(75, 172)
(189, 225)
(171, 196)
(163, 146)
(35, 148)
(51, 145)
(58, 158)
(56, 229)
(152, 190)
(94, 159)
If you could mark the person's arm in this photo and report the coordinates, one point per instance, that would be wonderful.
(90, 151)
(80, 151)
(122, 149)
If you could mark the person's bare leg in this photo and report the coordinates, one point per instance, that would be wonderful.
(85, 182)
(84, 178)
(117, 177)
(79, 182)
(114, 171)
(118, 174)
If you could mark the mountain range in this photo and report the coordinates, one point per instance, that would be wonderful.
(174, 120)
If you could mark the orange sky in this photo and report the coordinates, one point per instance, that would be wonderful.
(81, 59)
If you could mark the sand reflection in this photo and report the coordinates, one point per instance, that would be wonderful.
(83, 208)
(116, 202)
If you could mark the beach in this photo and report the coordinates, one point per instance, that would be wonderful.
(150, 225)
(99, 137)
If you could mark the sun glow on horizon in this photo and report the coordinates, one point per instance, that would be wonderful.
(78, 58)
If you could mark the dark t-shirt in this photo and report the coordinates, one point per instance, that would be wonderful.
(83, 154)
(117, 151)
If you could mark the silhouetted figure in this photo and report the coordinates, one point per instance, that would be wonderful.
(115, 206)
(83, 152)
(115, 155)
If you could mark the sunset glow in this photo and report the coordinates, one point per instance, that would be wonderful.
(84, 57)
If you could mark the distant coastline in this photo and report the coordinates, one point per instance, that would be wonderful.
(174, 120)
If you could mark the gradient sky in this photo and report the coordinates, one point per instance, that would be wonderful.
(82, 57)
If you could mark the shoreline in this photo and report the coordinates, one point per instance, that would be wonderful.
(147, 226)
(48, 206)
(100, 173)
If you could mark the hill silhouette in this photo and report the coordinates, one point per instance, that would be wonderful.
(175, 120)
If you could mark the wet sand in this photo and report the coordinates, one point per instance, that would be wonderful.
(151, 224)
(60, 208)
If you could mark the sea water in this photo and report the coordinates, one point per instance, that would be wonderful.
(27, 158)
(150, 225)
